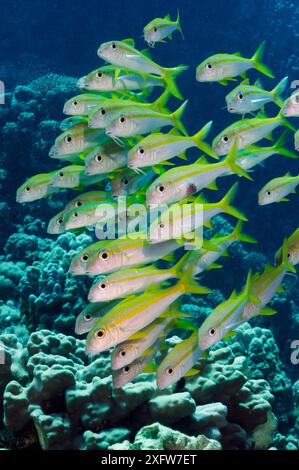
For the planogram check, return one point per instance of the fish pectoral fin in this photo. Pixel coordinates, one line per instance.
(215, 266)
(229, 335)
(267, 311)
(280, 290)
(192, 372)
(283, 199)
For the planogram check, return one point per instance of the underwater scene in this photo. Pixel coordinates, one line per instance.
(149, 225)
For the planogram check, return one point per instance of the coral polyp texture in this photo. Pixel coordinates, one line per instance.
(148, 300)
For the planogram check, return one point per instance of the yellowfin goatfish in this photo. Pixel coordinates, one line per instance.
(72, 121)
(55, 225)
(124, 55)
(161, 28)
(90, 196)
(132, 121)
(223, 67)
(247, 132)
(179, 362)
(143, 364)
(116, 254)
(80, 105)
(178, 183)
(130, 281)
(73, 176)
(277, 189)
(127, 182)
(92, 213)
(36, 187)
(246, 98)
(157, 148)
(253, 155)
(101, 116)
(105, 159)
(136, 312)
(175, 223)
(90, 315)
(141, 341)
(110, 255)
(103, 79)
(206, 258)
(265, 285)
(76, 140)
(293, 249)
(291, 105)
(224, 318)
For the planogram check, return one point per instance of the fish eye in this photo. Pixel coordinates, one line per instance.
(155, 29)
(122, 119)
(102, 285)
(122, 352)
(225, 138)
(289, 255)
(78, 203)
(68, 139)
(297, 99)
(169, 371)
(161, 225)
(99, 74)
(161, 188)
(100, 333)
(113, 45)
(126, 369)
(141, 150)
(209, 66)
(75, 103)
(103, 112)
(269, 193)
(240, 96)
(27, 189)
(212, 331)
(126, 181)
(84, 258)
(98, 158)
(75, 214)
(60, 220)
(87, 317)
(61, 174)
(104, 255)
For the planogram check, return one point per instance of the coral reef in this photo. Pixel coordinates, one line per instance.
(60, 399)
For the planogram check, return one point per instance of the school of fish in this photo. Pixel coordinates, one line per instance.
(121, 141)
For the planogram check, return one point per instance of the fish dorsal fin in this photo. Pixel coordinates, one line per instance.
(167, 17)
(150, 368)
(129, 41)
(245, 82)
(237, 54)
(202, 160)
(258, 84)
(174, 131)
(146, 52)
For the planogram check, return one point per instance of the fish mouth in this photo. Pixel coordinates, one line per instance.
(81, 83)
(53, 152)
(230, 109)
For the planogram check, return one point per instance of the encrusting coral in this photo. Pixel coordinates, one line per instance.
(52, 390)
